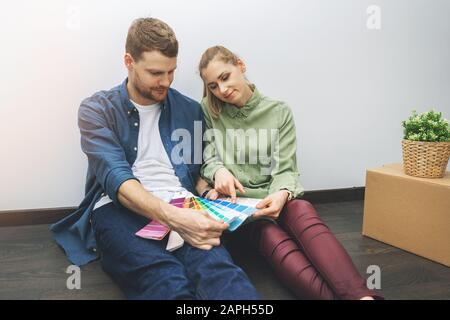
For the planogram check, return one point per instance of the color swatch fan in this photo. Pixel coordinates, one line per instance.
(232, 213)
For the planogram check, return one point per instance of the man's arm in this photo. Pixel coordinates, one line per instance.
(112, 170)
(106, 156)
(132, 195)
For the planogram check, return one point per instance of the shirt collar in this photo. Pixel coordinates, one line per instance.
(244, 111)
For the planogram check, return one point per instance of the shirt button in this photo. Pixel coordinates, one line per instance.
(94, 249)
(136, 124)
(135, 148)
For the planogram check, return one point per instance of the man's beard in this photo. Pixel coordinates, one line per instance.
(147, 94)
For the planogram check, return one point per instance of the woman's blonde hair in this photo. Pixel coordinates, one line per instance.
(215, 105)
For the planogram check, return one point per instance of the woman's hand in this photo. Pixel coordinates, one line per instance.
(272, 205)
(226, 184)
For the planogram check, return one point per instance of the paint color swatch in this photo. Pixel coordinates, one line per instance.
(154, 230)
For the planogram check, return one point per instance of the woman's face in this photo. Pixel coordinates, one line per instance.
(227, 81)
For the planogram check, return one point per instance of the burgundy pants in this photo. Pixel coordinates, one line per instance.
(306, 256)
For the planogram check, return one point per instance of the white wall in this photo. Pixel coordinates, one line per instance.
(349, 87)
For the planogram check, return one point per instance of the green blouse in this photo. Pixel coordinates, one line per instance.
(256, 143)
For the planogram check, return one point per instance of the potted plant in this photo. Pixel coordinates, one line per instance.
(426, 144)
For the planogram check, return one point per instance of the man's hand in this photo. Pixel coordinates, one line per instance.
(196, 227)
(212, 194)
(226, 184)
(272, 205)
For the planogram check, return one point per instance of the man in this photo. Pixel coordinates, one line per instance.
(126, 135)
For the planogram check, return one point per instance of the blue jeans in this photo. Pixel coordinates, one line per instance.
(144, 269)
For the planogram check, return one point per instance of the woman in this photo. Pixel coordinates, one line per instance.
(300, 248)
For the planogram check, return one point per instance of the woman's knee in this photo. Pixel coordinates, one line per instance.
(301, 207)
(298, 210)
(267, 237)
(299, 216)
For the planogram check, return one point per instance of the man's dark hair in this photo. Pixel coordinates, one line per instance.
(150, 34)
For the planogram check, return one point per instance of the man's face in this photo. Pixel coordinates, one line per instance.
(151, 76)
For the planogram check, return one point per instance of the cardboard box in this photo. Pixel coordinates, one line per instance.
(408, 212)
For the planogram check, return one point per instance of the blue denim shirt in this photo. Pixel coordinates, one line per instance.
(109, 138)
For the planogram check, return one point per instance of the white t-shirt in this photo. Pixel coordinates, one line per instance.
(152, 166)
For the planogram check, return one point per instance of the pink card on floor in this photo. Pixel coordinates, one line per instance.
(154, 230)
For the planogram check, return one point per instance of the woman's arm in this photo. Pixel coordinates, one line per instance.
(285, 182)
(285, 175)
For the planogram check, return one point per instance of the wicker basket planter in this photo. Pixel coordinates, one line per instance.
(425, 159)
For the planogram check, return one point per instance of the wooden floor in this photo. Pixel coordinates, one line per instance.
(32, 266)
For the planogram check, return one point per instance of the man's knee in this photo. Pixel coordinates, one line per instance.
(168, 287)
(216, 276)
(150, 277)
